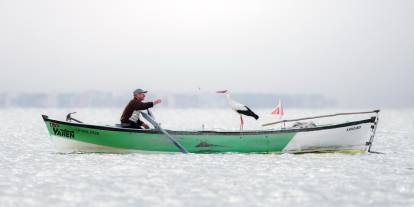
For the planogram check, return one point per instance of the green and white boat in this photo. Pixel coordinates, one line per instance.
(352, 136)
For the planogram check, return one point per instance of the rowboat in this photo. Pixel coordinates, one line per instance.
(351, 136)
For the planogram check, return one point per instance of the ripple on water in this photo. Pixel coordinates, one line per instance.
(32, 174)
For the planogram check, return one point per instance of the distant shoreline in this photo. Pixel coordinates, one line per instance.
(170, 100)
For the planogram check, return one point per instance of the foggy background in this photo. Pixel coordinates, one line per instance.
(350, 53)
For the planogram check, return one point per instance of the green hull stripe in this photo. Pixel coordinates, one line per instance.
(193, 142)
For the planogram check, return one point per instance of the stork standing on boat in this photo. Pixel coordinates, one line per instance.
(239, 108)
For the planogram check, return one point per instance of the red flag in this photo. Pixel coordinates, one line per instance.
(278, 110)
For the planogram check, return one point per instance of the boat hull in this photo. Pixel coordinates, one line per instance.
(74, 137)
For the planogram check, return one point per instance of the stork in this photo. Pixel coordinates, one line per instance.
(239, 108)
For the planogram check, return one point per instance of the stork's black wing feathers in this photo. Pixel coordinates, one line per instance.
(248, 112)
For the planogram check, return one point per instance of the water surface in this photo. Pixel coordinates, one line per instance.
(32, 173)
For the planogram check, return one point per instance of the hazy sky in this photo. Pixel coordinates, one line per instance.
(358, 52)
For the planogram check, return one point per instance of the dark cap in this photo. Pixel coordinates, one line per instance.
(138, 91)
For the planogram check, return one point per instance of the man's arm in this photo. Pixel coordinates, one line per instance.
(143, 105)
(147, 105)
(156, 102)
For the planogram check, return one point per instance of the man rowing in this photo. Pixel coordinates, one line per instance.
(130, 116)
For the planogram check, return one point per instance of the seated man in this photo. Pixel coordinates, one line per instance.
(130, 116)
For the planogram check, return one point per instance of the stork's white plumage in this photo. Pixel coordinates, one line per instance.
(239, 108)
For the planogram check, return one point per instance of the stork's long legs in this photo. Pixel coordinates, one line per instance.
(241, 123)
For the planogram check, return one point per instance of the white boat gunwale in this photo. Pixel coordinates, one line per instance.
(373, 120)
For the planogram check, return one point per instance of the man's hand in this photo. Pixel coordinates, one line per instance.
(157, 101)
(145, 126)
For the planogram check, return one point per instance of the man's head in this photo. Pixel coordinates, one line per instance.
(139, 94)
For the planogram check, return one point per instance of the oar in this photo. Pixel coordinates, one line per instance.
(315, 117)
(149, 118)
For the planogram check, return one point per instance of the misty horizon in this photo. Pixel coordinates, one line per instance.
(358, 53)
(177, 100)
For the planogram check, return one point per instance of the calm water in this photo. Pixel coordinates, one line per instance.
(33, 174)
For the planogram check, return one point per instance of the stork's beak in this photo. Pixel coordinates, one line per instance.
(224, 91)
